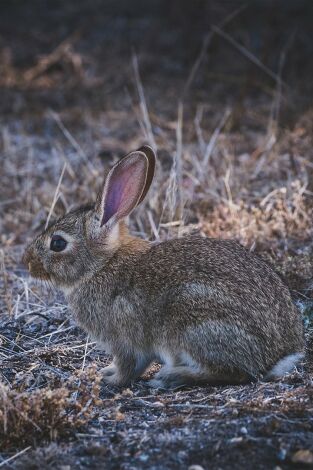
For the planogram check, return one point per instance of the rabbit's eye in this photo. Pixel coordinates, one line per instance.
(57, 243)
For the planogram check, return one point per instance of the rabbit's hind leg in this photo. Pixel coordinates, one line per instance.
(173, 377)
(178, 376)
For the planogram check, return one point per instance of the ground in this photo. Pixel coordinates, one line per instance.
(223, 91)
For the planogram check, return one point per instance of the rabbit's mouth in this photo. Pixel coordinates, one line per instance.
(37, 271)
(34, 265)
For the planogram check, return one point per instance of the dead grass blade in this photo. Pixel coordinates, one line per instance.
(63, 49)
(15, 456)
(143, 104)
(248, 55)
(56, 195)
(206, 42)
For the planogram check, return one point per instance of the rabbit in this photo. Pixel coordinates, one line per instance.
(209, 310)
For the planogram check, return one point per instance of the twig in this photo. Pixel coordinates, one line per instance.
(274, 116)
(280, 190)
(153, 226)
(56, 195)
(228, 190)
(7, 294)
(211, 144)
(173, 196)
(248, 55)
(71, 140)
(58, 331)
(143, 104)
(197, 122)
(206, 42)
(178, 161)
(5, 462)
(55, 56)
(85, 353)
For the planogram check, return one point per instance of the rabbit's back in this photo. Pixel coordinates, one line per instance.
(194, 284)
(210, 267)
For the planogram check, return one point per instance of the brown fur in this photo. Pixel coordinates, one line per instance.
(211, 311)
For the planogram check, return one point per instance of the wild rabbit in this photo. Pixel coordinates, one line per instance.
(209, 310)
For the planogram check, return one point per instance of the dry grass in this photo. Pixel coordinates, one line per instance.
(279, 217)
(47, 413)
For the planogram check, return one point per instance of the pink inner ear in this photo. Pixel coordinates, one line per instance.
(117, 193)
(125, 186)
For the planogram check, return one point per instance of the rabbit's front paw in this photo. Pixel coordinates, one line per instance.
(115, 379)
(108, 370)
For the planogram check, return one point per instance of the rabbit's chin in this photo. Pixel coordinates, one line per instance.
(41, 275)
(66, 289)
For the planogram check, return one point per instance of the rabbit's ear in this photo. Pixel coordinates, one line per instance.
(149, 153)
(124, 187)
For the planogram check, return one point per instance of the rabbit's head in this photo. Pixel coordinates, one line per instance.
(83, 240)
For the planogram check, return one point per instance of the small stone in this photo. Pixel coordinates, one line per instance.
(127, 392)
(156, 404)
(236, 440)
(195, 467)
(143, 457)
(282, 454)
(303, 456)
(95, 449)
(119, 416)
(244, 430)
